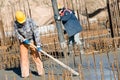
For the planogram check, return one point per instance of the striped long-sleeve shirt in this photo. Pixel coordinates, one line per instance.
(29, 30)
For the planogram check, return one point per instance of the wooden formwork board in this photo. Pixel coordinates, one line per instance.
(91, 33)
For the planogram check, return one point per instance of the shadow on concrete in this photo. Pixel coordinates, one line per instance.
(34, 73)
(18, 71)
(15, 70)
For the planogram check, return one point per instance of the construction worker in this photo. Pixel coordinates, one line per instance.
(71, 25)
(27, 32)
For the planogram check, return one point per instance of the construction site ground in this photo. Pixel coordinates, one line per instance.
(101, 60)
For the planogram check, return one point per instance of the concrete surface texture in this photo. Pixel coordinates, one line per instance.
(103, 69)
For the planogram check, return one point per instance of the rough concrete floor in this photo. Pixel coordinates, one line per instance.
(89, 73)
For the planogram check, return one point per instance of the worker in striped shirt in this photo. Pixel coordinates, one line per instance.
(27, 32)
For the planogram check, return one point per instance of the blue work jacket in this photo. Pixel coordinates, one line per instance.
(71, 23)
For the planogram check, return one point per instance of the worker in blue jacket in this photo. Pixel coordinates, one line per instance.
(71, 24)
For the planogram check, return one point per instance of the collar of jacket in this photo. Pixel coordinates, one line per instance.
(64, 10)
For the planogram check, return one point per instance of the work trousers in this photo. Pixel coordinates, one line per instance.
(75, 39)
(24, 60)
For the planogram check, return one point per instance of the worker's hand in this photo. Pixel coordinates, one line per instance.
(26, 41)
(39, 48)
(57, 17)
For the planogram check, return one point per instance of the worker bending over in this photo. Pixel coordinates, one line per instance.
(27, 32)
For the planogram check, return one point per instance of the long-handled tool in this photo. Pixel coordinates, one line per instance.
(59, 62)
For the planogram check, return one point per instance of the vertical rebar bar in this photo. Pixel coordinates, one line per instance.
(110, 19)
(113, 70)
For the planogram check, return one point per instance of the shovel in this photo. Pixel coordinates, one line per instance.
(57, 61)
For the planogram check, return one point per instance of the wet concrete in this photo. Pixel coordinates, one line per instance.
(90, 71)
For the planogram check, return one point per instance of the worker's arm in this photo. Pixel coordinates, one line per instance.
(36, 34)
(67, 15)
(64, 16)
(19, 36)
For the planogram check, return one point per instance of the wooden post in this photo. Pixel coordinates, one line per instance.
(59, 29)
(58, 23)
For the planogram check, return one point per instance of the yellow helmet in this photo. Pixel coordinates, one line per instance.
(20, 17)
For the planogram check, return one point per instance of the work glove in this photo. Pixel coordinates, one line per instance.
(57, 18)
(26, 41)
(39, 48)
